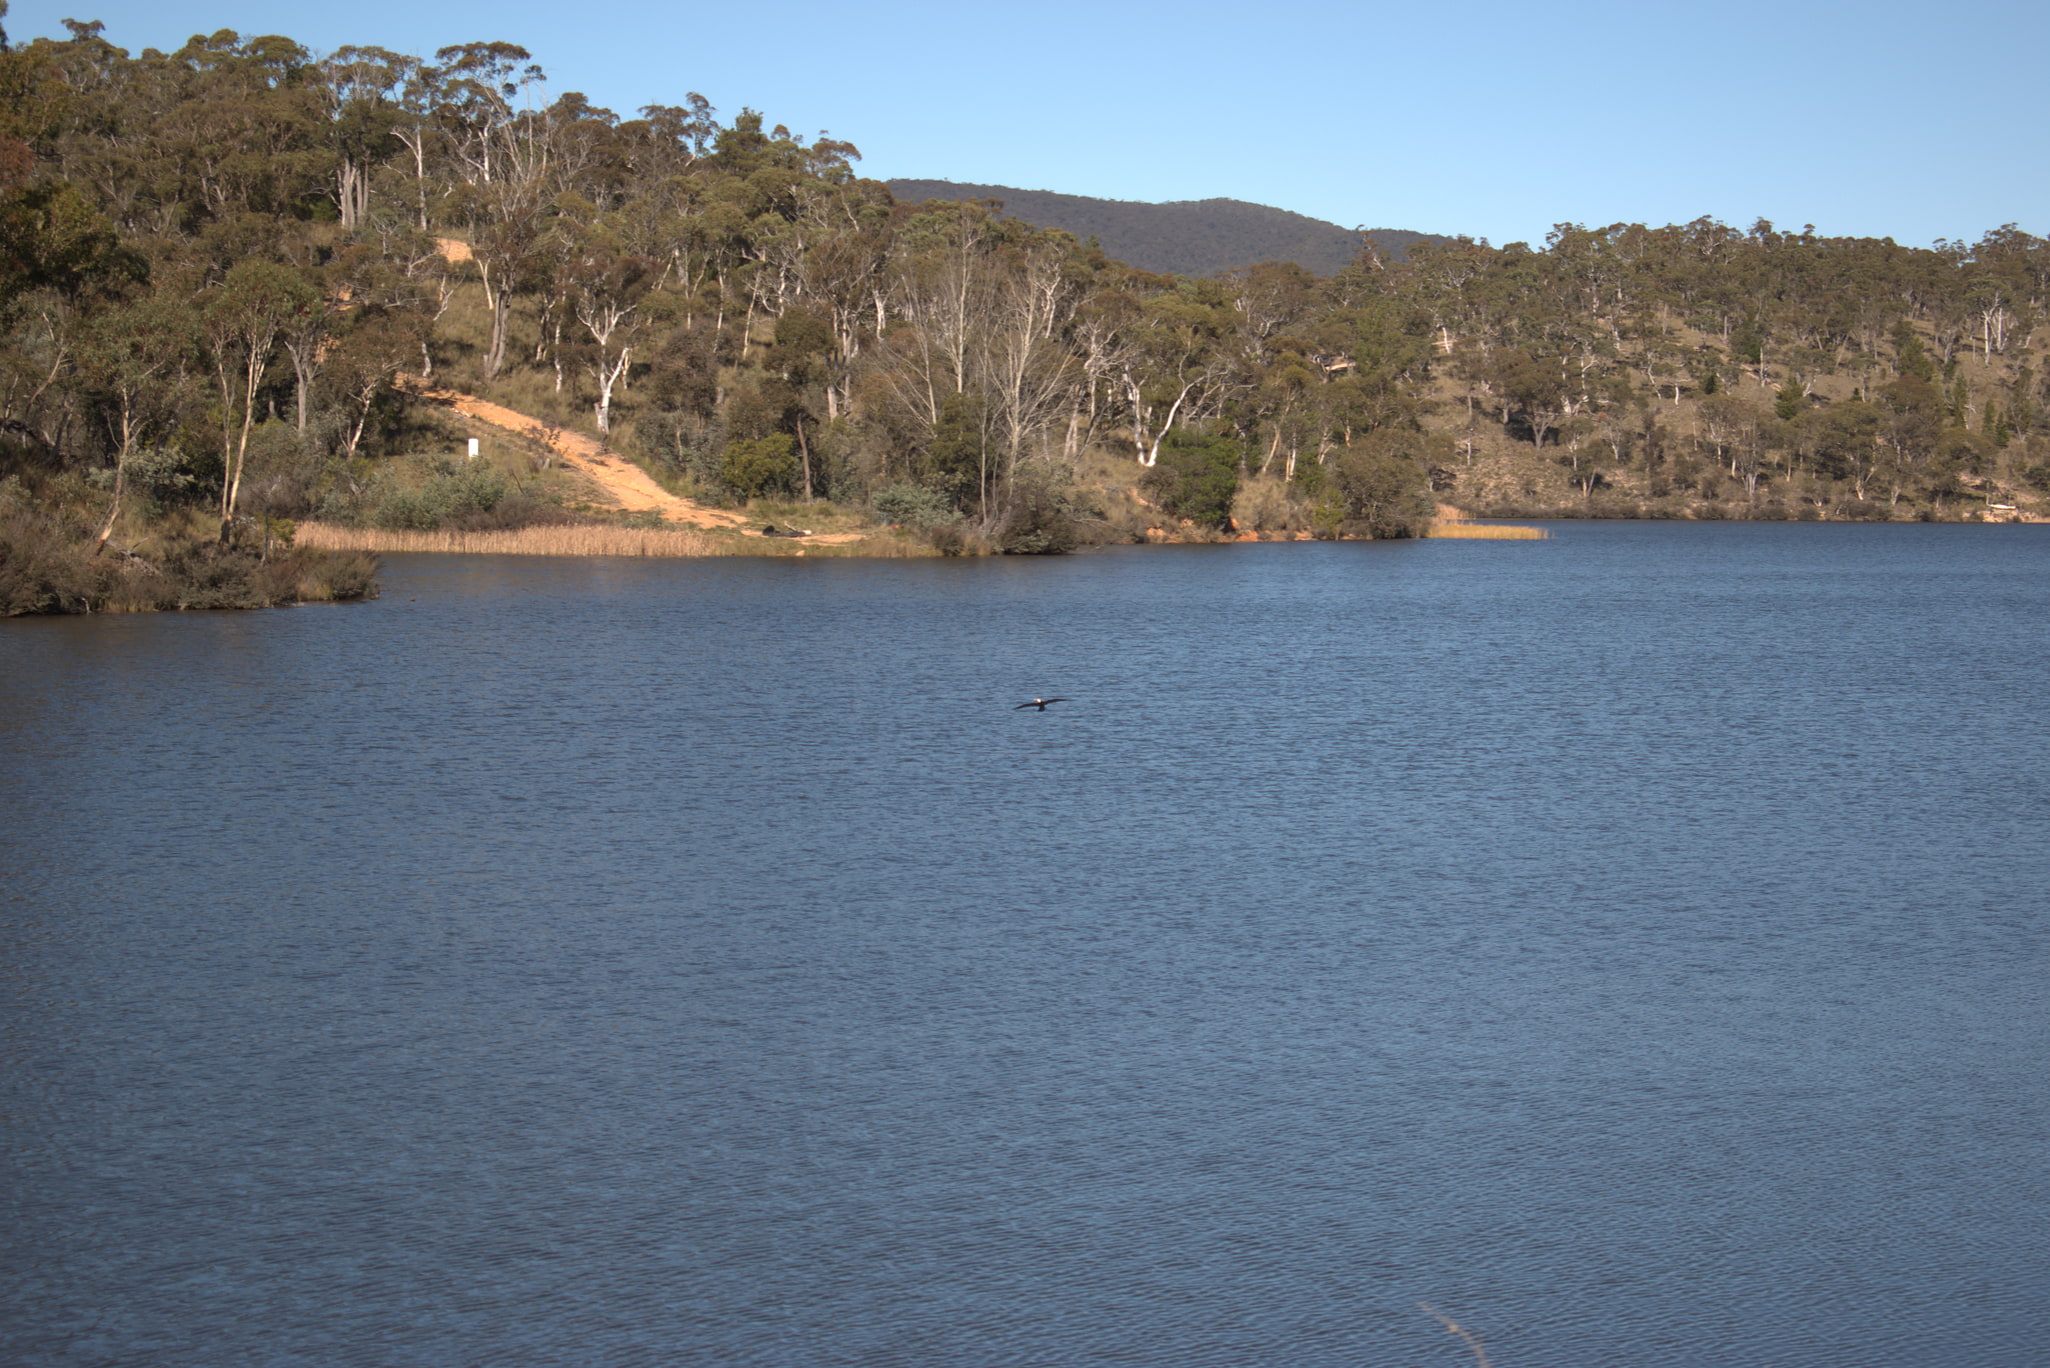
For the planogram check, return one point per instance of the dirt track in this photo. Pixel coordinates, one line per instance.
(623, 484)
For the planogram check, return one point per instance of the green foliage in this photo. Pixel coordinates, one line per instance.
(162, 477)
(958, 455)
(48, 565)
(1840, 438)
(2021, 405)
(1959, 450)
(1381, 486)
(1911, 361)
(763, 409)
(760, 467)
(1536, 390)
(1747, 344)
(1196, 477)
(447, 493)
(52, 238)
(683, 376)
(1791, 401)
(1037, 521)
(217, 260)
(285, 471)
(803, 343)
(911, 505)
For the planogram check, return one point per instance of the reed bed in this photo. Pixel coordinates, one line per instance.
(597, 539)
(584, 540)
(1445, 527)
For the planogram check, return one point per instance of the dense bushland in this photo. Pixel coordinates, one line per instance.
(216, 265)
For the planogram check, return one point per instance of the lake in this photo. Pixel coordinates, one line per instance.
(1631, 945)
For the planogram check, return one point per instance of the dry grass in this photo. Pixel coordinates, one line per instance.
(601, 540)
(588, 540)
(1443, 527)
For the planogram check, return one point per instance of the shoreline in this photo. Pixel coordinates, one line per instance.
(598, 539)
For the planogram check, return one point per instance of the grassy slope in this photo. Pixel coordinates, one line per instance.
(1506, 476)
(1495, 474)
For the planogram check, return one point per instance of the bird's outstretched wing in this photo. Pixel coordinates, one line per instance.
(1040, 703)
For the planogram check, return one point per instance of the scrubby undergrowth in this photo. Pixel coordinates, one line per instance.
(50, 566)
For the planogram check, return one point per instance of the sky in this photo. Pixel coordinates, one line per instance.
(1871, 118)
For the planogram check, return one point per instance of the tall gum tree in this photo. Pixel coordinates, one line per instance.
(500, 148)
(241, 325)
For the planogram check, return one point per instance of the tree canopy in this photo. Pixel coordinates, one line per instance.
(731, 303)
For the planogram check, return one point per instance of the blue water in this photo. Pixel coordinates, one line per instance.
(1631, 945)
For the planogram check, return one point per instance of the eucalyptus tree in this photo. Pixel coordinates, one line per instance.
(670, 140)
(1028, 375)
(360, 371)
(1101, 335)
(361, 90)
(1437, 277)
(246, 127)
(842, 272)
(241, 321)
(1535, 390)
(939, 282)
(1183, 363)
(1284, 396)
(137, 360)
(606, 293)
(500, 150)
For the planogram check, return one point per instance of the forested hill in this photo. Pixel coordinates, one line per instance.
(1185, 237)
(229, 274)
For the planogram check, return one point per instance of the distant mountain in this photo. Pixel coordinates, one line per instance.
(1187, 237)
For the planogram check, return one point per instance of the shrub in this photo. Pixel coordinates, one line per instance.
(1195, 477)
(1266, 505)
(911, 505)
(762, 466)
(1380, 485)
(1038, 522)
(49, 567)
(160, 477)
(42, 567)
(452, 492)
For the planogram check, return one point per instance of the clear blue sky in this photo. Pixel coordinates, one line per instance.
(1873, 118)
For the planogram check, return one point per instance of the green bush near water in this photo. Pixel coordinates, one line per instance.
(760, 467)
(1196, 477)
(916, 506)
(49, 565)
(451, 493)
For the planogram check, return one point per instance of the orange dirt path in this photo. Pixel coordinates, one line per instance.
(624, 484)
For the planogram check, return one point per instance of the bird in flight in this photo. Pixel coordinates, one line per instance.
(1040, 703)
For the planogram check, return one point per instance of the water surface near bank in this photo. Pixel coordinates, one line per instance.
(1629, 943)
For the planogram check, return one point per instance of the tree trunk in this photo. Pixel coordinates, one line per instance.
(804, 457)
(608, 376)
(302, 375)
(120, 480)
(231, 478)
(501, 316)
